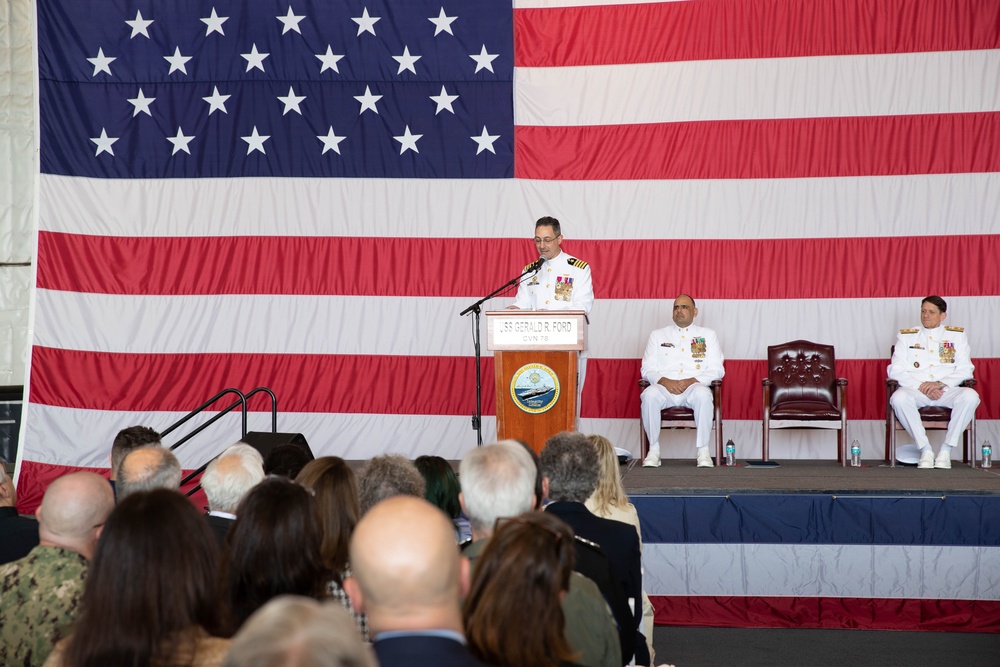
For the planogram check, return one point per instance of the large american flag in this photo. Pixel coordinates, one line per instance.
(304, 195)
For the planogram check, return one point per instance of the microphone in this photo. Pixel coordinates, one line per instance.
(537, 264)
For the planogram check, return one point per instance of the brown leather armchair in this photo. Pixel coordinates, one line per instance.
(932, 417)
(801, 390)
(684, 418)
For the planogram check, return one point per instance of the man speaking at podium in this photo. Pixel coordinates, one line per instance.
(558, 281)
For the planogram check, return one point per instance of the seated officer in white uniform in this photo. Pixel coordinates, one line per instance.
(680, 363)
(561, 283)
(929, 362)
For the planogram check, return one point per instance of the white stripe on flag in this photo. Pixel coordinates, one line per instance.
(282, 324)
(824, 570)
(754, 89)
(885, 206)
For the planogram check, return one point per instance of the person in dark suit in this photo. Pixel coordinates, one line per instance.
(570, 469)
(409, 578)
(227, 481)
(20, 534)
(498, 481)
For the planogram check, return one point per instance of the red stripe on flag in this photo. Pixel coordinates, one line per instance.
(36, 477)
(770, 148)
(359, 384)
(303, 383)
(827, 612)
(612, 391)
(673, 31)
(831, 268)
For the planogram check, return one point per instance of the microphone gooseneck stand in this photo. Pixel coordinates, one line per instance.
(475, 309)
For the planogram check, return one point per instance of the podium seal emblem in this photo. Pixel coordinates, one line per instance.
(534, 388)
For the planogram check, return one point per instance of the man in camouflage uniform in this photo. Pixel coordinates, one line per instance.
(40, 593)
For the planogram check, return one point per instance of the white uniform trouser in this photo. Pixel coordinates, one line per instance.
(698, 397)
(962, 400)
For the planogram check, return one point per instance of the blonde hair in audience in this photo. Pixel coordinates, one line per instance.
(609, 491)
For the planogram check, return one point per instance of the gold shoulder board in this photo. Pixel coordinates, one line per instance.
(909, 331)
(578, 263)
(959, 329)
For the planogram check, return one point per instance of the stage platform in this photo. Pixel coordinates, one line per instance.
(681, 477)
(813, 544)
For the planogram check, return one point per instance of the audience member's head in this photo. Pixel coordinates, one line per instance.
(497, 481)
(287, 460)
(292, 631)
(73, 512)
(609, 492)
(569, 464)
(8, 494)
(273, 547)
(408, 574)
(152, 587)
(539, 491)
(148, 468)
(525, 565)
(441, 484)
(386, 476)
(230, 476)
(128, 439)
(336, 490)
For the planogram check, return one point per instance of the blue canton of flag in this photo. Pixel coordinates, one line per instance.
(409, 89)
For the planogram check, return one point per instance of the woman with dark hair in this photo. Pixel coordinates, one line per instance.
(151, 596)
(442, 490)
(525, 566)
(273, 548)
(336, 489)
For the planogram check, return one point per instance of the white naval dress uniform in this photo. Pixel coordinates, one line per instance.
(942, 355)
(562, 283)
(679, 354)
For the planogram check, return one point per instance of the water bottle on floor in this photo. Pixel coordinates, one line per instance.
(730, 453)
(987, 455)
(855, 454)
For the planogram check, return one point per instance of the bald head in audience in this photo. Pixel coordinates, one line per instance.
(408, 575)
(73, 512)
(148, 468)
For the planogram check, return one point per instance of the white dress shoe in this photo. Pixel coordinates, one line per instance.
(652, 459)
(943, 460)
(926, 459)
(705, 459)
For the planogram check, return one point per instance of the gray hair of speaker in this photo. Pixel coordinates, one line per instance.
(231, 475)
(388, 475)
(498, 481)
(292, 631)
(148, 468)
(570, 463)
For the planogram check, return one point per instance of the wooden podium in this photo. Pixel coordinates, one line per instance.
(535, 355)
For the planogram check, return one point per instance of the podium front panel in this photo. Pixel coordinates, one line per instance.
(536, 394)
